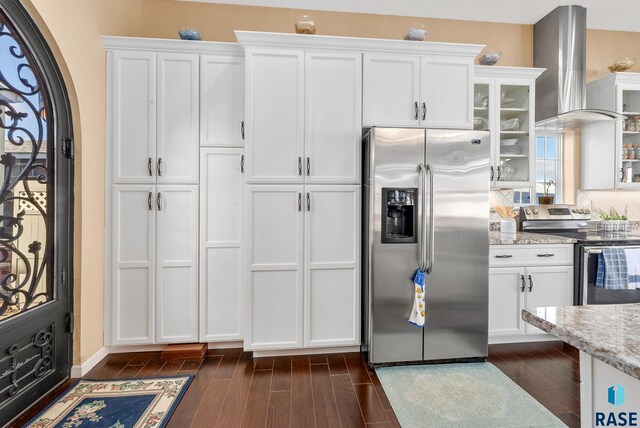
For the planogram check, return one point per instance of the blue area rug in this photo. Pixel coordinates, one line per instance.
(128, 403)
(461, 396)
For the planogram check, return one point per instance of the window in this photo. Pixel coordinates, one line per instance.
(548, 170)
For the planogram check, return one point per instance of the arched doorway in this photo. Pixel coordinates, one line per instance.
(36, 216)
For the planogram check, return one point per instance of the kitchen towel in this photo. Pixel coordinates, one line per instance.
(417, 313)
(633, 267)
(612, 269)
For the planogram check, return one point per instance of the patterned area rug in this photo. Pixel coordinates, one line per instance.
(144, 403)
(461, 396)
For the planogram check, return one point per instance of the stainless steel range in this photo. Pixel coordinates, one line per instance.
(572, 221)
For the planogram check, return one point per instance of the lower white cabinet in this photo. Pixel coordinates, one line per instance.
(303, 273)
(537, 282)
(220, 244)
(154, 259)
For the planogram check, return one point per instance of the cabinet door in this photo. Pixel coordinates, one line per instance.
(176, 264)
(274, 221)
(133, 276)
(483, 113)
(627, 137)
(446, 92)
(506, 300)
(390, 85)
(222, 100)
(333, 130)
(332, 266)
(131, 123)
(548, 286)
(275, 116)
(220, 237)
(178, 117)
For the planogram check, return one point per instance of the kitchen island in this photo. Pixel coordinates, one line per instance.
(608, 337)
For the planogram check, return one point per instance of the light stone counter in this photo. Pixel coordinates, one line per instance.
(498, 238)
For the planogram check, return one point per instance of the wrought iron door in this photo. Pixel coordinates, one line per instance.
(36, 174)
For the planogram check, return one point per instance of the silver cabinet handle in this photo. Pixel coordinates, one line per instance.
(299, 165)
(159, 167)
(491, 173)
(503, 256)
(499, 173)
(522, 287)
(242, 129)
(242, 164)
(424, 111)
(159, 201)
(415, 106)
(546, 255)
(150, 167)
(299, 202)
(149, 201)
(623, 175)
(530, 283)
(308, 202)
(308, 166)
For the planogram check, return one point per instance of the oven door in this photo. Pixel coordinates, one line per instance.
(592, 295)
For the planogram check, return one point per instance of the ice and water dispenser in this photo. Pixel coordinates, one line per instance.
(399, 215)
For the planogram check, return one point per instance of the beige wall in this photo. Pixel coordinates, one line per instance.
(76, 27)
(77, 24)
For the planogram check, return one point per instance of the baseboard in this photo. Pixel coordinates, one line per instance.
(306, 351)
(497, 340)
(226, 345)
(79, 370)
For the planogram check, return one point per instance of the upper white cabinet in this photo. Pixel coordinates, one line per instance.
(504, 103)
(303, 116)
(275, 116)
(221, 293)
(429, 91)
(222, 100)
(611, 150)
(153, 117)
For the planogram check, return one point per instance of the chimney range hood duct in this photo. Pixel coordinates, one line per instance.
(560, 46)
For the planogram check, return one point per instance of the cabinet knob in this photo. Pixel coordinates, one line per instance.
(159, 167)
(308, 166)
(503, 256)
(149, 201)
(424, 111)
(524, 284)
(308, 202)
(530, 283)
(416, 110)
(546, 255)
(159, 201)
(150, 167)
(242, 129)
(491, 173)
(299, 165)
(299, 202)
(242, 164)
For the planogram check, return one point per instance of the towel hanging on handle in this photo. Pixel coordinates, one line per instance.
(418, 311)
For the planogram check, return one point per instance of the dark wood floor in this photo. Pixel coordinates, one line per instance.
(232, 389)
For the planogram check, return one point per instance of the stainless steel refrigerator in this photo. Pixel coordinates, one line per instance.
(426, 204)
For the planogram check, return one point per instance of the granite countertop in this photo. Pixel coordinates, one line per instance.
(609, 333)
(498, 238)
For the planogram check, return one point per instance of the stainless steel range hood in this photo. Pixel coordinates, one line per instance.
(560, 47)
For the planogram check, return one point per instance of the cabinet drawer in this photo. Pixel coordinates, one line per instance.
(530, 255)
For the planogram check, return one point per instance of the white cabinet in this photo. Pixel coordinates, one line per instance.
(154, 254)
(504, 103)
(526, 276)
(303, 116)
(303, 274)
(274, 225)
(133, 273)
(222, 100)
(332, 266)
(221, 294)
(611, 150)
(153, 125)
(275, 116)
(428, 91)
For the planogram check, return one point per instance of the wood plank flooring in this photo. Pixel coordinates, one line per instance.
(233, 389)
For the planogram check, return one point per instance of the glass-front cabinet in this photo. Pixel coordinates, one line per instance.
(629, 152)
(504, 104)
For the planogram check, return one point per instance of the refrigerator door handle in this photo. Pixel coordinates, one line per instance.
(422, 175)
(431, 241)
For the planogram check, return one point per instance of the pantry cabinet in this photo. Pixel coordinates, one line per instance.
(526, 276)
(611, 150)
(303, 270)
(427, 91)
(303, 116)
(504, 103)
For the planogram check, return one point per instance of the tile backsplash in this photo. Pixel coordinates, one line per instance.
(602, 201)
(499, 197)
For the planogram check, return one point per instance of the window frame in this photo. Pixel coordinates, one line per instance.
(559, 194)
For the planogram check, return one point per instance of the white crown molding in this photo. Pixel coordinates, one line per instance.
(614, 78)
(301, 41)
(168, 45)
(503, 72)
